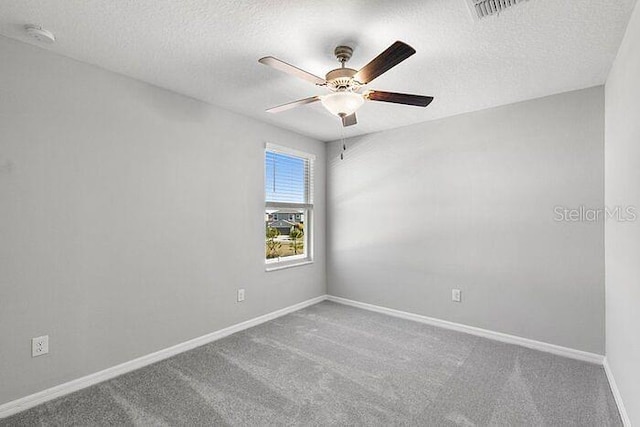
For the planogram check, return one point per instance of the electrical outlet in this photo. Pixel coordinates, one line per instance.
(240, 295)
(456, 295)
(39, 346)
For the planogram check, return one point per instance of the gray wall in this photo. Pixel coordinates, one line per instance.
(468, 202)
(622, 180)
(115, 239)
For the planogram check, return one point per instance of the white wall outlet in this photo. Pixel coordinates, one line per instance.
(240, 295)
(456, 295)
(39, 346)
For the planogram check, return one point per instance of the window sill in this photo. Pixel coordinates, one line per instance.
(285, 265)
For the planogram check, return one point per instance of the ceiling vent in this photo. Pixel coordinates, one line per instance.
(483, 8)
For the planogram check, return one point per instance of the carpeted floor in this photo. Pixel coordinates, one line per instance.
(331, 364)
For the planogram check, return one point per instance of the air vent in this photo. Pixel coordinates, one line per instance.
(483, 8)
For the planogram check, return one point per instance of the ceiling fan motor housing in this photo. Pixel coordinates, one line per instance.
(341, 79)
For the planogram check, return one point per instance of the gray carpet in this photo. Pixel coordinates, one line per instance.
(335, 365)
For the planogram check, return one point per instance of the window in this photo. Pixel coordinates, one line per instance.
(288, 206)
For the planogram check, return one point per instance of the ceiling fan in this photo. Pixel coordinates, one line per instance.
(345, 84)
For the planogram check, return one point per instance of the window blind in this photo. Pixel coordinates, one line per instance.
(288, 177)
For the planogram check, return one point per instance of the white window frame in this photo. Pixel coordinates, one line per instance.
(274, 264)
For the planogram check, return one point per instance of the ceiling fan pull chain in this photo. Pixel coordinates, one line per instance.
(344, 144)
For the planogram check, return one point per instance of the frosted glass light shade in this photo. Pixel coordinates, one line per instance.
(342, 103)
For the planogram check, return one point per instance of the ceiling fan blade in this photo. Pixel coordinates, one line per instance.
(290, 105)
(398, 98)
(349, 120)
(395, 54)
(290, 69)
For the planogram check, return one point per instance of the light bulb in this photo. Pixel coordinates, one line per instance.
(342, 103)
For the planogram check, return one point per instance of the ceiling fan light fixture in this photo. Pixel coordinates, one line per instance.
(342, 103)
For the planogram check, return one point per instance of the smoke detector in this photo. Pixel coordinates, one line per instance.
(40, 34)
(484, 8)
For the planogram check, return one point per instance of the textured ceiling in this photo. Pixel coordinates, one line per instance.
(209, 50)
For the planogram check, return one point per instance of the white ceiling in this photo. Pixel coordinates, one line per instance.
(209, 50)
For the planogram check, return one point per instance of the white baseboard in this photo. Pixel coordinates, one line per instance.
(35, 399)
(32, 400)
(497, 336)
(616, 394)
